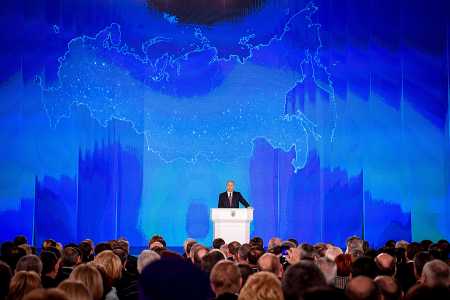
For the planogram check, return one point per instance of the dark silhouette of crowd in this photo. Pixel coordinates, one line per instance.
(280, 270)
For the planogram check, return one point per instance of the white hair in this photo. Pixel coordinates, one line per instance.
(328, 268)
(436, 273)
(145, 258)
(333, 252)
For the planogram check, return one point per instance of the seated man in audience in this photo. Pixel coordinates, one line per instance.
(364, 266)
(300, 277)
(211, 259)
(362, 288)
(270, 263)
(436, 273)
(145, 258)
(386, 264)
(29, 263)
(420, 259)
(50, 268)
(196, 254)
(388, 288)
(226, 280)
(243, 252)
(69, 260)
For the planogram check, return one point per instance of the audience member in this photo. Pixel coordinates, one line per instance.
(69, 260)
(91, 278)
(50, 267)
(270, 263)
(262, 286)
(5, 279)
(436, 273)
(22, 283)
(386, 264)
(364, 266)
(328, 268)
(243, 251)
(75, 290)
(217, 243)
(226, 280)
(145, 258)
(299, 277)
(362, 288)
(211, 259)
(49, 294)
(29, 263)
(344, 266)
(388, 288)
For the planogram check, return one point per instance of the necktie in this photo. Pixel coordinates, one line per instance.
(230, 199)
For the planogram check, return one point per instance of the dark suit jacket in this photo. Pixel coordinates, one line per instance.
(237, 197)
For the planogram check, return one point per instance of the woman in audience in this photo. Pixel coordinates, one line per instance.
(46, 294)
(75, 290)
(344, 265)
(91, 278)
(262, 286)
(22, 283)
(113, 269)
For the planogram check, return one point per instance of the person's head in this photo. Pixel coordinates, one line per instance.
(273, 242)
(75, 290)
(246, 271)
(257, 242)
(86, 251)
(364, 266)
(50, 263)
(157, 238)
(420, 259)
(211, 259)
(307, 252)
(436, 273)
(170, 279)
(188, 245)
(343, 264)
(91, 278)
(386, 264)
(100, 247)
(218, 242)
(299, 277)
(122, 254)
(29, 263)
(121, 244)
(402, 244)
(230, 186)
(112, 264)
(145, 258)
(48, 243)
(354, 243)
(323, 293)
(254, 254)
(262, 286)
(22, 283)
(70, 257)
(333, 252)
(243, 252)
(388, 288)
(328, 268)
(5, 279)
(196, 254)
(362, 288)
(20, 240)
(423, 292)
(233, 247)
(225, 277)
(46, 294)
(270, 263)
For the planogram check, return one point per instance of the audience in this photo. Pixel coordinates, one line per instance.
(285, 270)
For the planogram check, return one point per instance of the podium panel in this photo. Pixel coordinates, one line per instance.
(232, 224)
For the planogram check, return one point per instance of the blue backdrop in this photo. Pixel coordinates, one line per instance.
(120, 118)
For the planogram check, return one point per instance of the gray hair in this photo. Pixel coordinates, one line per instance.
(145, 258)
(354, 243)
(29, 263)
(436, 273)
(230, 180)
(333, 252)
(328, 268)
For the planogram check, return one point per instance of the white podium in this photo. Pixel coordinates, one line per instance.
(232, 224)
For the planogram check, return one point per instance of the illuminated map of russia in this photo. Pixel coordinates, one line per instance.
(188, 100)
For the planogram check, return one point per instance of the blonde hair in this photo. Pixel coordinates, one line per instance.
(225, 277)
(46, 294)
(262, 286)
(75, 290)
(91, 278)
(22, 283)
(111, 263)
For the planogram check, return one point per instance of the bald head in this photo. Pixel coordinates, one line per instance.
(270, 263)
(362, 288)
(385, 264)
(388, 287)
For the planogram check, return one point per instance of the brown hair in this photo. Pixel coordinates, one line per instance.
(22, 283)
(225, 277)
(91, 278)
(111, 263)
(344, 264)
(262, 286)
(43, 294)
(75, 290)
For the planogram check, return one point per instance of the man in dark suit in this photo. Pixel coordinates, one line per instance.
(230, 198)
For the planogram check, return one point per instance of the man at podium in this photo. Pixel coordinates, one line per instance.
(230, 198)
